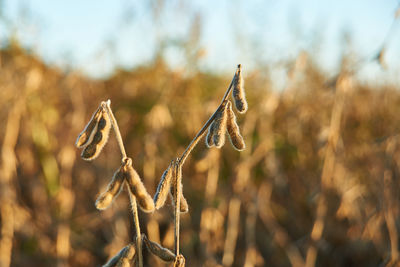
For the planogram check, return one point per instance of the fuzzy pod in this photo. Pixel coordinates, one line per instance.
(86, 136)
(238, 92)
(127, 257)
(184, 207)
(112, 191)
(114, 260)
(183, 203)
(210, 136)
(123, 257)
(220, 127)
(232, 127)
(161, 252)
(164, 186)
(100, 137)
(137, 188)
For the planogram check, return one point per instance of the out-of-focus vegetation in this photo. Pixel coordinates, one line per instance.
(309, 146)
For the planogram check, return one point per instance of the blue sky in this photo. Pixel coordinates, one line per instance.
(95, 36)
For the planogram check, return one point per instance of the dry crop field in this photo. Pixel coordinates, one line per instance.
(317, 184)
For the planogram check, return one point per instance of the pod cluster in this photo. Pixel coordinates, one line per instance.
(225, 119)
(126, 173)
(95, 135)
(167, 186)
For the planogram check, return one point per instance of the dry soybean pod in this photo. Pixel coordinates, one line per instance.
(161, 252)
(238, 92)
(210, 136)
(164, 186)
(87, 134)
(100, 138)
(184, 207)
(137, 188)
(113, 189)
(124, 256)
(219, 128)
(233, 129)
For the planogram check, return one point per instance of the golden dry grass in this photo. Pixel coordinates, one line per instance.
(259, 207)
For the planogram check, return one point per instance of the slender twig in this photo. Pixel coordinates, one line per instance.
(137, 226)
(178, 192)
(114, 123)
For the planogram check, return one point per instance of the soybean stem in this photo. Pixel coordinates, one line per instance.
(137, 226)
(114, 123)
(178, 193)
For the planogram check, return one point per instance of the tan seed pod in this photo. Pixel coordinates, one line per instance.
(179, 261)
(114, 260)
(100, 137)
(210, 136)
(127, 256)
(184, 207)
(220, 127)
(238, 92)
(137, 188)
(183, 203)
(164, 186)
(112, 191)
(123, 257)
(161, 252)
(85, 136)
(233, 130)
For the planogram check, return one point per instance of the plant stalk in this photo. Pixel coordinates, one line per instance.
(114, 123)
(178, 192)
(138, 240)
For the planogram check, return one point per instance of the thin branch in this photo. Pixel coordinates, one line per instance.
(114, 123)
(137, 226)
(178, 192)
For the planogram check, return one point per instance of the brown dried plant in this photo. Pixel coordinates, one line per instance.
(92, 140)
(222, 121)
(94, 137)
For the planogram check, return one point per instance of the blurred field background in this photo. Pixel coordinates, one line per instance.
(318, 183)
